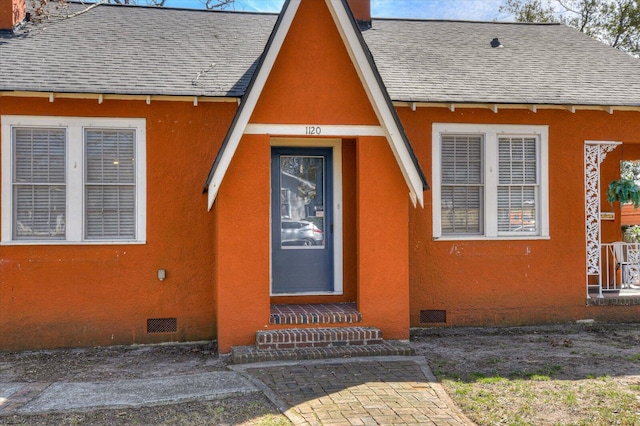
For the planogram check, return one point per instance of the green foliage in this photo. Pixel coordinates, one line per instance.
(529, 11)
(615, 22)
(624, 190)
(630, 170)
(631, 233)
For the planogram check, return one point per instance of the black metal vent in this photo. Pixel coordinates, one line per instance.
(162, 325)
(433, 316)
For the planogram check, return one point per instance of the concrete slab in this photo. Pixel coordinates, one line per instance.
(66, 396)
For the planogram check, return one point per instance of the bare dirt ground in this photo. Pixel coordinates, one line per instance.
(247, 410)
(109, 363)
(560, 374)
(134, 362)
(578, 351)
(575, 374)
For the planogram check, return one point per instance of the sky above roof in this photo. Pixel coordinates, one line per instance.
(475, 10)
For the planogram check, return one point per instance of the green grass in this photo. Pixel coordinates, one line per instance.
(540, 396)
(518, 401)
(272, 420)
(635, 358)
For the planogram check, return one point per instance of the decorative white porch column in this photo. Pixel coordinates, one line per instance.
(594, 153)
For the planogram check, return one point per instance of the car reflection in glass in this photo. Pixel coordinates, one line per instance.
(300, 233)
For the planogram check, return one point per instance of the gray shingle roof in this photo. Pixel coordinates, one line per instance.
(156, 51)
(137, 50)
(445, 61)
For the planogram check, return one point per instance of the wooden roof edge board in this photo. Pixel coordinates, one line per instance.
(532, 107)
(120, 97)
(249, 100)
(414, 105)
(380, 100)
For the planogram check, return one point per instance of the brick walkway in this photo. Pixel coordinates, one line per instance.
(378, 391)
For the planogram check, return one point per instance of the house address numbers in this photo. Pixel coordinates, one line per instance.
(313, 130)
(607, 216)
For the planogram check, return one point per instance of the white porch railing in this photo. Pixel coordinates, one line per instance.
(620, 267)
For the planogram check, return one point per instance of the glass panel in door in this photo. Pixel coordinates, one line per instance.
(301, 202)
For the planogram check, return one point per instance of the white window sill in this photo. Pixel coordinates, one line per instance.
(71, 243)
(484, 238)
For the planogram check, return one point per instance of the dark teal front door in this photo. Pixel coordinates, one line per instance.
(301, 220)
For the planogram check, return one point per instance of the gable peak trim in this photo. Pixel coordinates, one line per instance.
(370, 78)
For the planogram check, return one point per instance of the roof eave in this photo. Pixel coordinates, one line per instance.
(249, 100)
(377, 92)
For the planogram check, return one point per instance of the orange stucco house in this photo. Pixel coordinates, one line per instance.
(177, 175)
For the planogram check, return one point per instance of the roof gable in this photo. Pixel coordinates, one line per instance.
(369, 78)
(313, 80)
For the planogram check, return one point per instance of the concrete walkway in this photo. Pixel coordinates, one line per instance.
(355, 391)
(34, 398)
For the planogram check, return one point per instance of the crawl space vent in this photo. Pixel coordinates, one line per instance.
(162, 325)
(433, 316)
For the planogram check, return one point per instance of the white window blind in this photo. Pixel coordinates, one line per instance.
(462, 184)
(110, 185)
(39, 187)
(517, 184)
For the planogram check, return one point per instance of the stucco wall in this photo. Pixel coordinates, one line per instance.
(517, 282)
(218, 263)
(74, 295)
(313, 82)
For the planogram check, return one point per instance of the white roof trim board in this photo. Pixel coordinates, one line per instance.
(369, 77)
(250, 100)
(379, 100)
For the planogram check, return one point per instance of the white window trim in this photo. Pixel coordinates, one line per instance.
(491, 133)
(74, 175)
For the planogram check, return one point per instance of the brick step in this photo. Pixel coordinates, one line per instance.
(327, 313)
(318, 338)
(251, 354)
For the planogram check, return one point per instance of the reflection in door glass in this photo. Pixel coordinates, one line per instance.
(302, 201)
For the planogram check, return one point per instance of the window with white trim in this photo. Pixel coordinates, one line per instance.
(73, 180)
(490, 181)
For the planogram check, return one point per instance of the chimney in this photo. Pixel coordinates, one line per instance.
(361, 10)
(12, 14)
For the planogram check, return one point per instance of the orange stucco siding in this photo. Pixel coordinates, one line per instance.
(75, 295)
(218, 263)
(375, 242)
(383, 262)
(242, 222)
(313, 80)
(516, 282)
